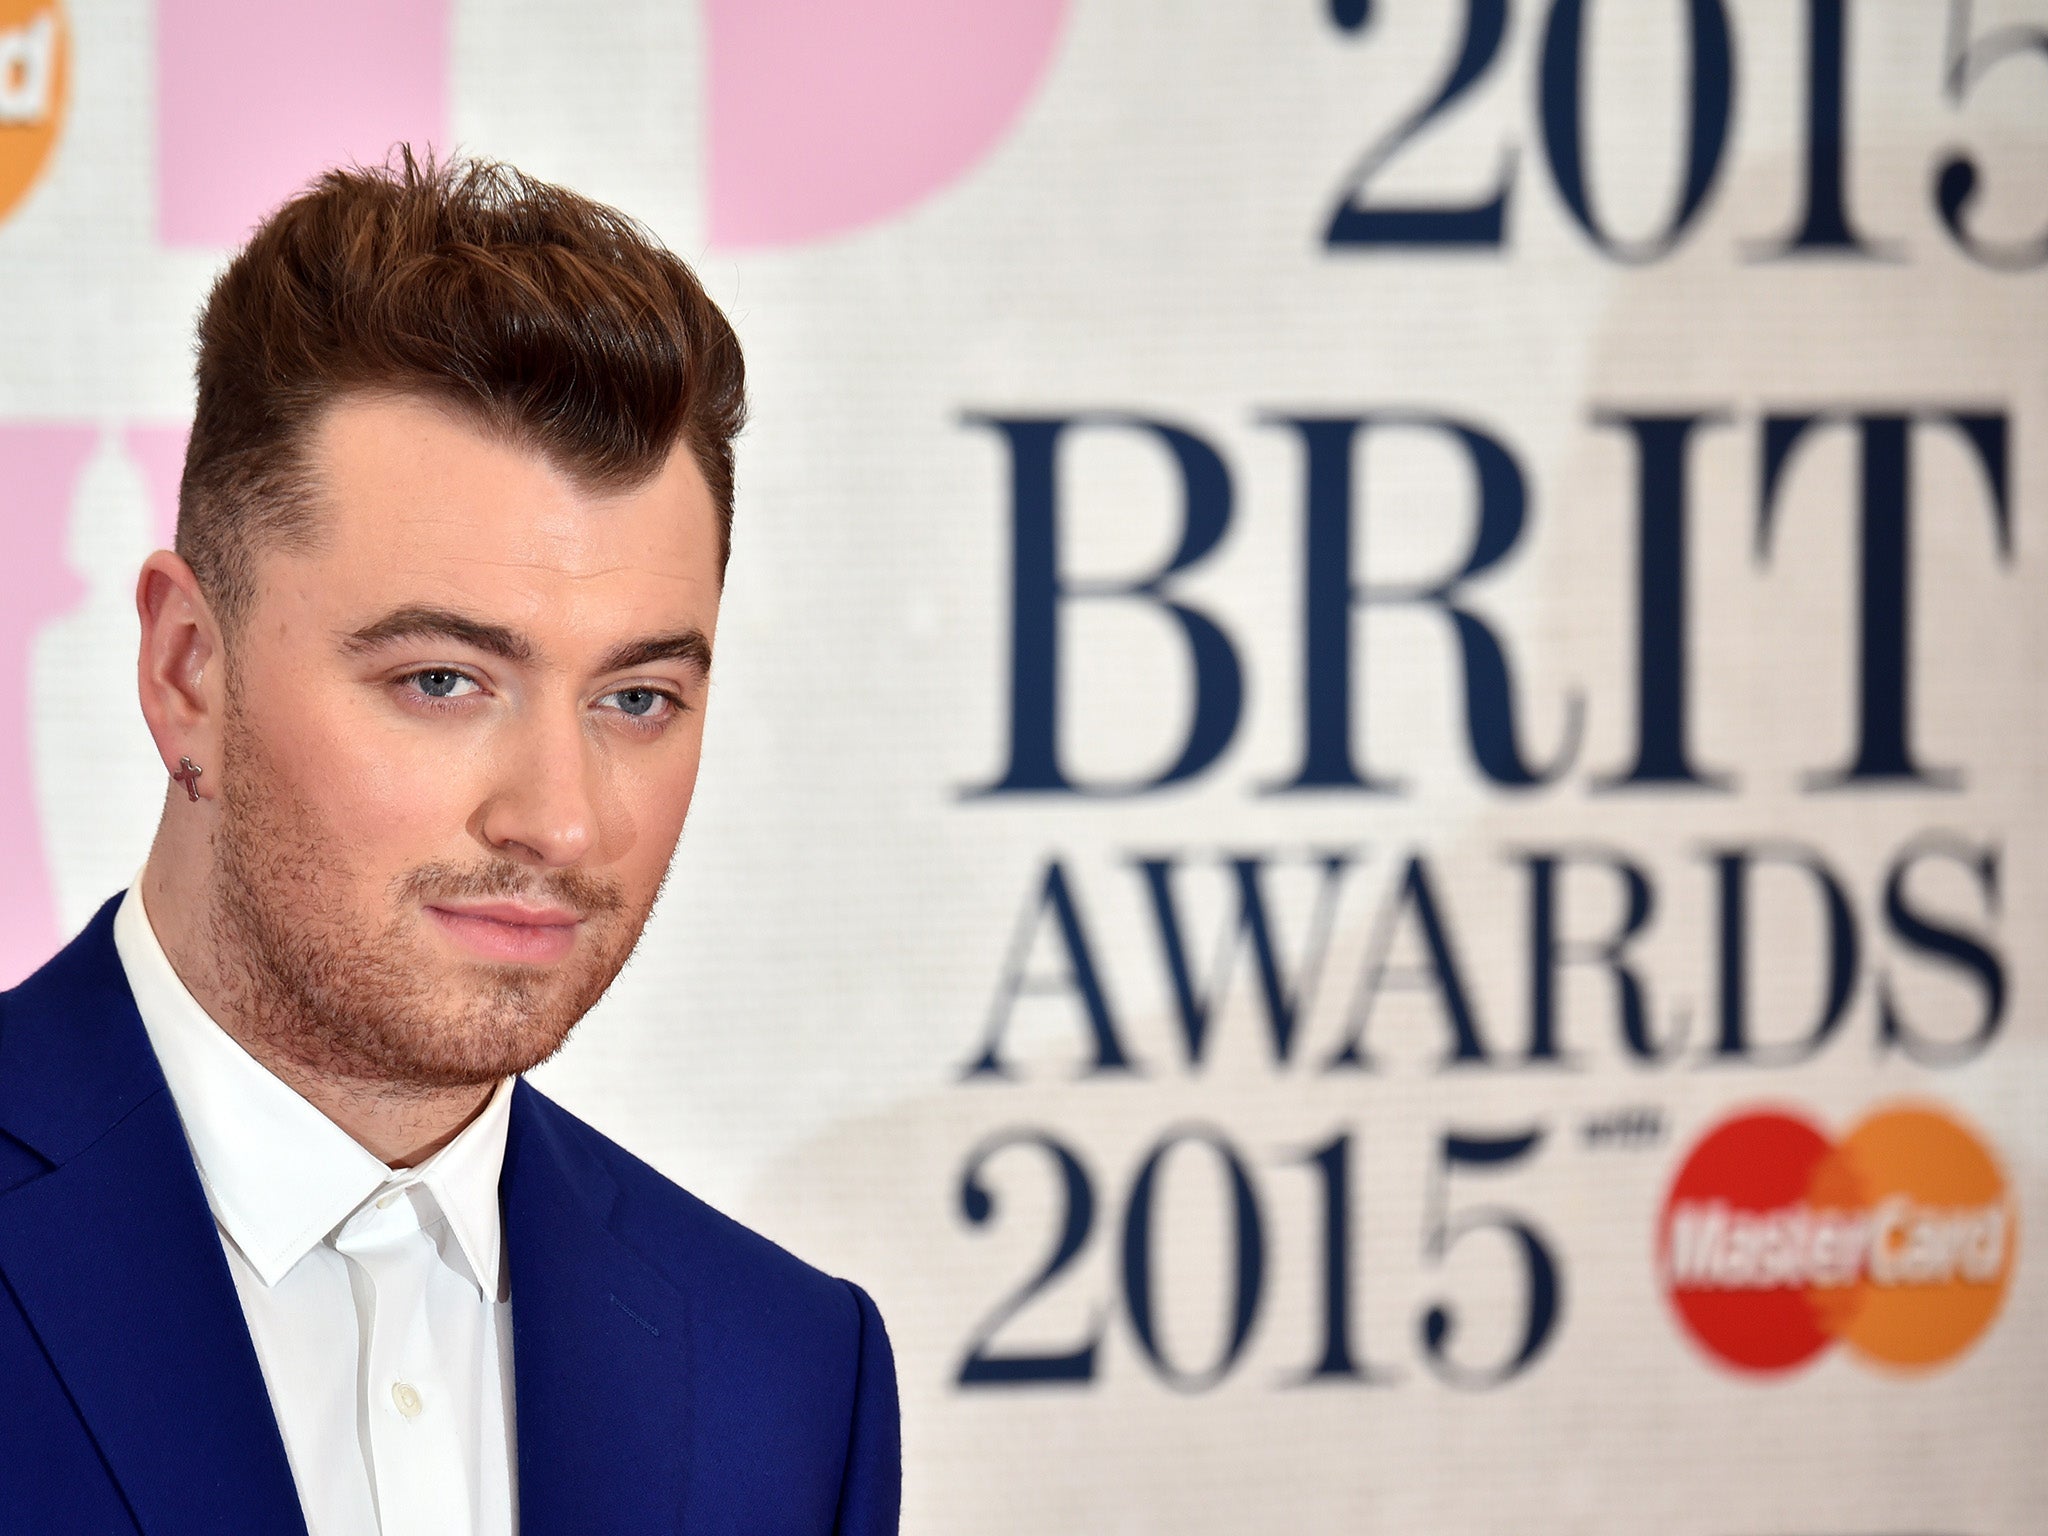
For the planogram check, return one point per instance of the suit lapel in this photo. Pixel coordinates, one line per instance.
(114, 1259)
(600, 1346)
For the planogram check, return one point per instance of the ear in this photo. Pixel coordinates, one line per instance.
(180, 671)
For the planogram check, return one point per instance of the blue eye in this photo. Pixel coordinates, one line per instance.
(638, 701)
(652, 708)
(439, 682)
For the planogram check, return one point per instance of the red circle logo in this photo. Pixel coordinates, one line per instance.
(1898, 1241)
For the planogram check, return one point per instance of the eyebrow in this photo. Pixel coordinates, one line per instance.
(685, 645)
(418, 623)
(426, 623)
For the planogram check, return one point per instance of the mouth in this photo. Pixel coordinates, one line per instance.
(508, 931)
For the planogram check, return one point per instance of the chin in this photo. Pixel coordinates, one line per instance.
(487, 1038)
(403, 1011)
(489, 1019)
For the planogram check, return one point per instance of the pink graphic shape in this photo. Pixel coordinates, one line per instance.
(256, 97)
(159, 451)
(830, 114)
(39, 469)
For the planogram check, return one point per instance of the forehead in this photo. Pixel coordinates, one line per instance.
(415, 503)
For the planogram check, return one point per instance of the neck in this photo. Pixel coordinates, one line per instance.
(399, 1123)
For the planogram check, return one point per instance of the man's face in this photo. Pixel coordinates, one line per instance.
(461, 735)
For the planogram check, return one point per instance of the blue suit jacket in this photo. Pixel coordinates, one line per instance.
(674, 1372)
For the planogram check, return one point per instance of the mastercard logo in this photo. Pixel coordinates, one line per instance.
(35, 70)
(1898, 1241)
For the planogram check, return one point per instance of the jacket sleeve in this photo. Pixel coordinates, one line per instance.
(871, 1491)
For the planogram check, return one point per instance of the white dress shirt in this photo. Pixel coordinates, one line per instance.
(377, 1299)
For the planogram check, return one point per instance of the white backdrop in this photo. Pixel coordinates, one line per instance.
(923, 997)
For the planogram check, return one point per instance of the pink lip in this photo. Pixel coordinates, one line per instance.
(507, 931)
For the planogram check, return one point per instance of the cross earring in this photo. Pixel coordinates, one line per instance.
(187, 773)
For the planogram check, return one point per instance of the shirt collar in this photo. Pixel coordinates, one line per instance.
(463, 1179)
(278, 1174)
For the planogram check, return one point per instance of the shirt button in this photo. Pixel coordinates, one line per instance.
(407, 1397)
(385, 1202)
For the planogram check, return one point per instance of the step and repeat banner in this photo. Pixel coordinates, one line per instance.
(1372, 831)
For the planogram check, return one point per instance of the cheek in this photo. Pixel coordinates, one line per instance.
(651, 797)
(360, 783)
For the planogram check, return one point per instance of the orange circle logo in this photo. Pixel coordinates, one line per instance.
(1898, 1241)
(35, 78)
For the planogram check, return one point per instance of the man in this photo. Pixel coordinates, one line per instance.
(286, 1244)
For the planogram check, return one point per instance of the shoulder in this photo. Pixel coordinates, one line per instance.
(797, 1363)
(74, 1057)
(732, 1274)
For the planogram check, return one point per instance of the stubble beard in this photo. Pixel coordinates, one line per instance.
(324, 991)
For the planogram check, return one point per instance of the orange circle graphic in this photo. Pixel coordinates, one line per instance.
(1943, 1233)
(35, 87)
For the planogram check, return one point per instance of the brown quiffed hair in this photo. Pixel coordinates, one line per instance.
(550, 318)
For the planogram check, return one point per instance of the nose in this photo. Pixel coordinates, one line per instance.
(544, 808)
